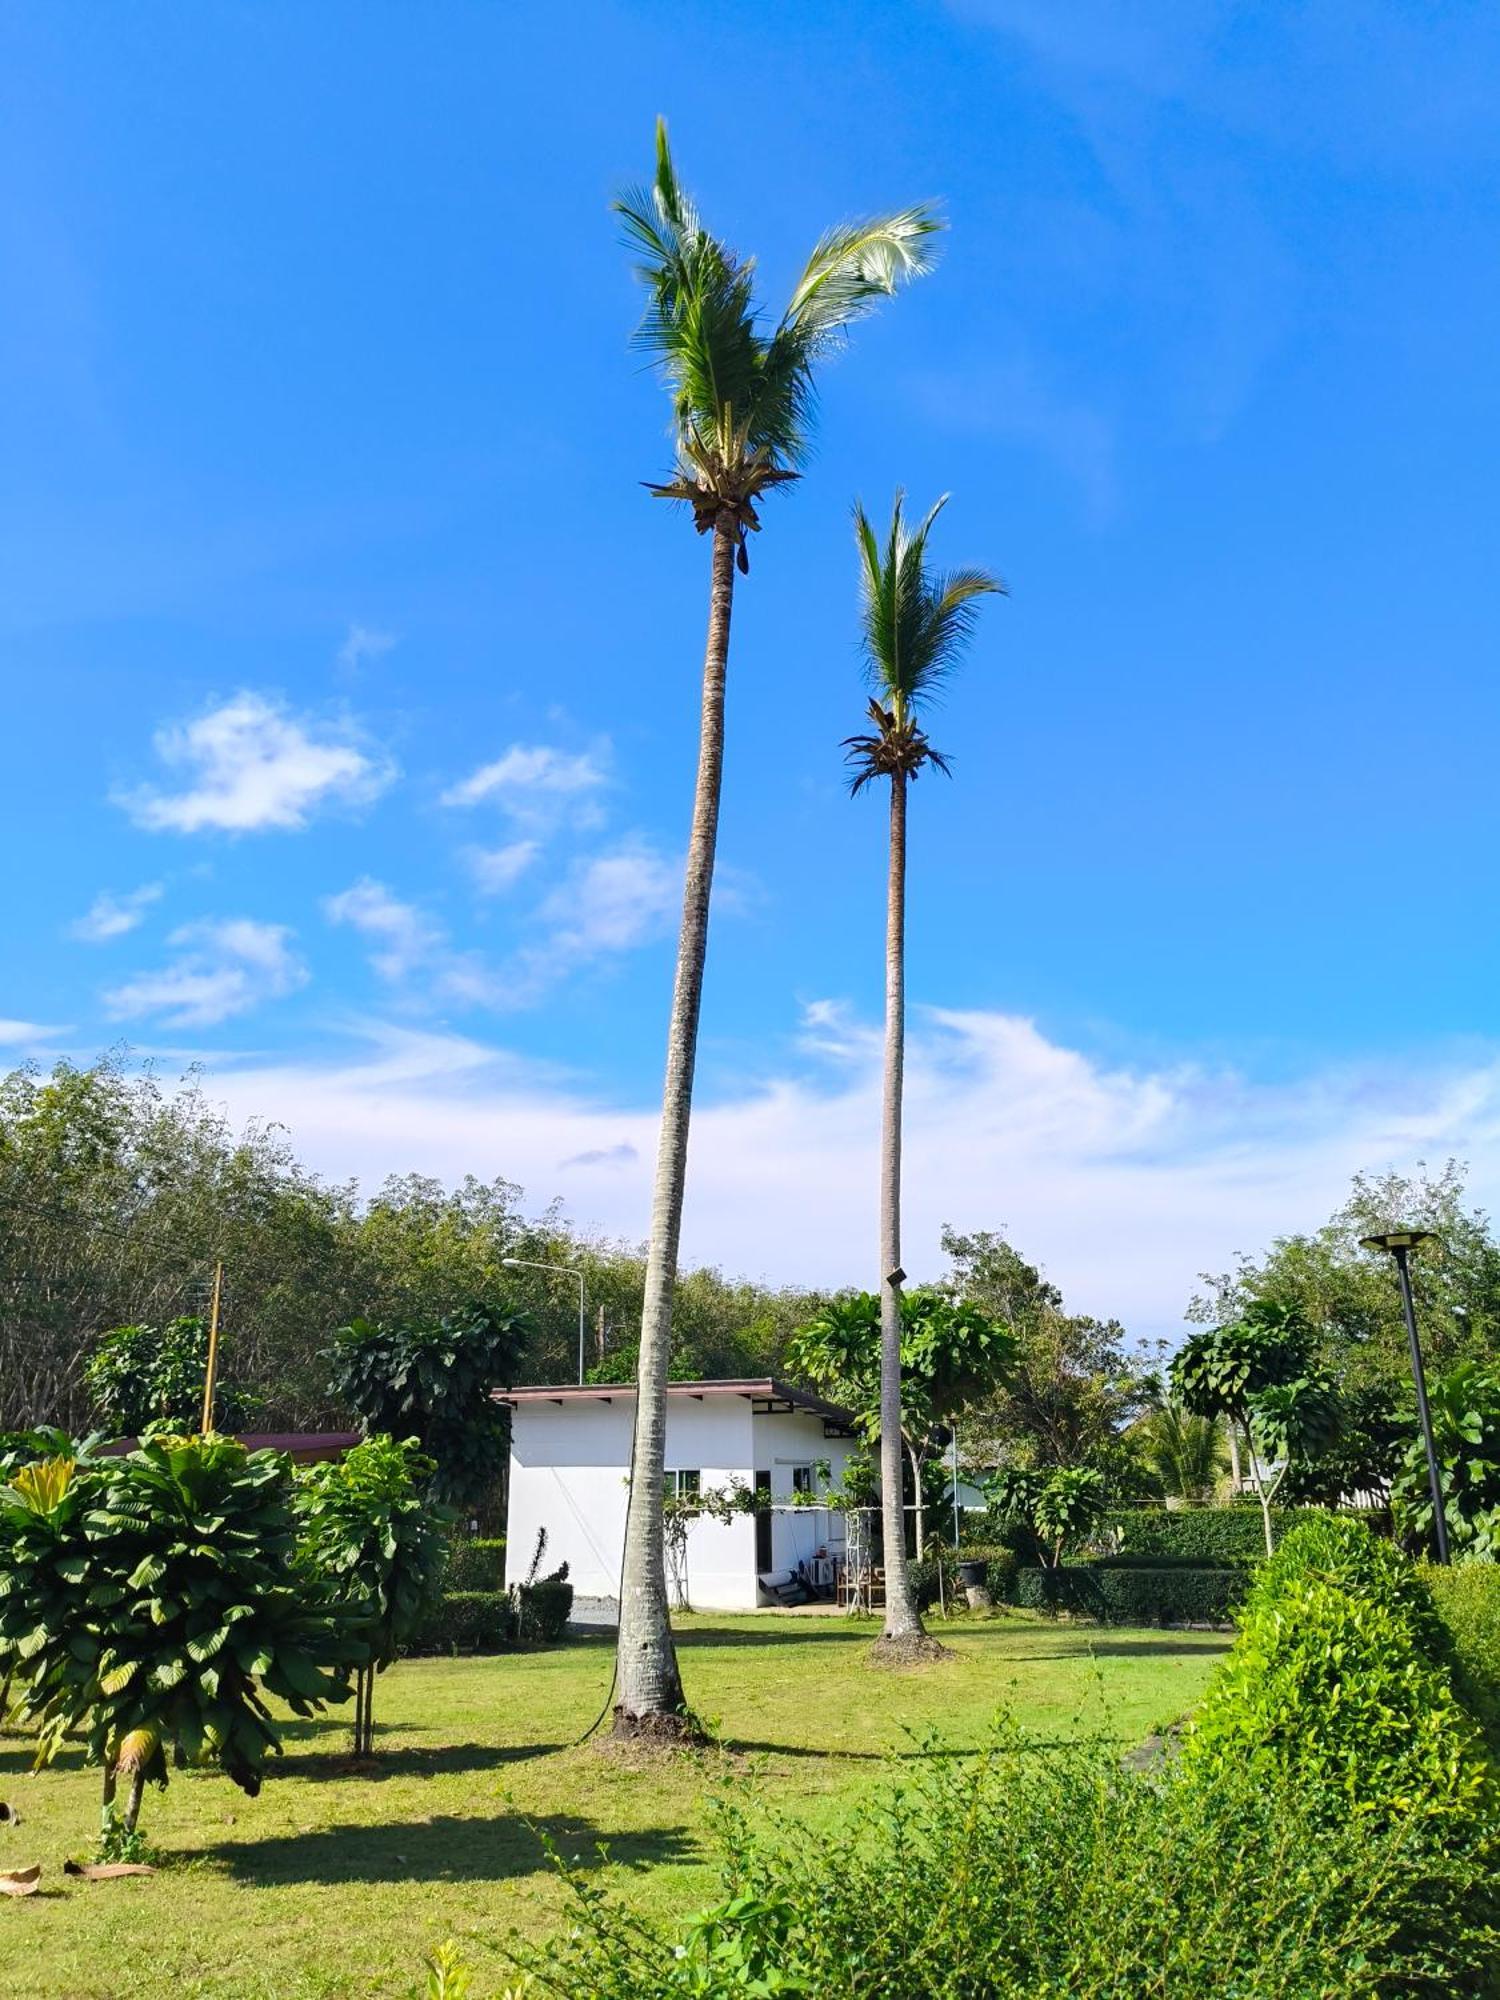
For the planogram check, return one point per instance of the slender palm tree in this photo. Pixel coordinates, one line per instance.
(742, 411)
(916, 625)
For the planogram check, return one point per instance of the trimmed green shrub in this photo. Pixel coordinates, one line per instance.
(1016, 1875)
(1199, 1534)
(1337, 1691)
(542, 1609)
(1466, 1598)
(476, 1563)
(467, 1621)
(1126, 1594)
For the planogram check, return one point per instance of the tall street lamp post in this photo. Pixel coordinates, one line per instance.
(1400, 1243)
(531, 1264)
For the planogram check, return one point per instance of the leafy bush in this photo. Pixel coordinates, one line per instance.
(149, 1603)
(140, 1377)
(543, 1608)
(1337, 1690)
(476, 1562)
(1202, 1534)
(1126, 1594)
(376, 1546)
(433, 1379)
(466, 1621)
(1465, 1406)
(1466, 1597)
(1022, 1875)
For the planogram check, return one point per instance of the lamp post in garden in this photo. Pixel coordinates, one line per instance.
(1400, 1243)
(531, 1264)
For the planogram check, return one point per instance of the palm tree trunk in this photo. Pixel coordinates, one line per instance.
(902, 1619)
(650, 1686)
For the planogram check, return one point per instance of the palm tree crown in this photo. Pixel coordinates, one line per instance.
(916, 623)
(743, 398)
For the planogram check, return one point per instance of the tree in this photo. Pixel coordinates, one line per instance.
(1257, 1373)
(368, 1534)
(915, 626)
(950, 1354)
(1070, 1392)
(144, 1376)
(742, 410)
(1057, 1505)
(1347, 1295)
(148, 1606)
(434, 1380)
(1185, 1453)
(1465, 1408)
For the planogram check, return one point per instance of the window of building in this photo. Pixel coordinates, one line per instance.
(684, 1485)
(802, 1479)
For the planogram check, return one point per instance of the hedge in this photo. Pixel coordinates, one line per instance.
(476, 1563)
(467, 1621)
(1000, 1573)
(1467, 1599)
(543, 1608)
(1123, 1594)
(1198, 1534)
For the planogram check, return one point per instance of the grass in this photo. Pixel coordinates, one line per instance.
(334, 1883)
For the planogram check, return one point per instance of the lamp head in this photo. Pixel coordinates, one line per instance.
(1398, 1239)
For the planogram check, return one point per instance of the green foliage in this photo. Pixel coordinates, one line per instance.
(1016, 1875)
(1069, 1390)
(949, 1354)
(467, 1621)
(149, 1603)
(543, 1608)
(447, 1974)
(434, 1379)
(1466, 1597)
(1349, 1295)
(1376, 1422)
(1185, 1454)
(475, 1563)
(142, 1378)
(370, 1537)
(1221, 1372)
(742, 397)
(1224, 1535)
(1133, 1592)
(1338, 1689)
(1465, 1407)
(1058, 1506)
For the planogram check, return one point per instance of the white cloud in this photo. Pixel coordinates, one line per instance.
(111, 916)
(496, 869)
(362, 643)
(406, 939)
(1125, 1182)
(251, 765)
(537, 785)
(223, 967)
(28, 1034)
(613, 902)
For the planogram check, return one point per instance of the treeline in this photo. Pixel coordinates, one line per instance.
(118, 1194)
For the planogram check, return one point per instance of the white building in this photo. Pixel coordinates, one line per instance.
(570, 1456)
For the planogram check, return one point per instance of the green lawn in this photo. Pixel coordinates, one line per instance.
(337, 1884)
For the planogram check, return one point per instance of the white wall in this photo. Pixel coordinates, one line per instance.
(567, 1473)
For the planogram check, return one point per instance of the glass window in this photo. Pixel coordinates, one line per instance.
(685, 1484)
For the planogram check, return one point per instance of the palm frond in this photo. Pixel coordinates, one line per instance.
(853, 268)
(915, 623)
(742, 402)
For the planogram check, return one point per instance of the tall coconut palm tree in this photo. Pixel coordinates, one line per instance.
(742, 409)
(916, 625)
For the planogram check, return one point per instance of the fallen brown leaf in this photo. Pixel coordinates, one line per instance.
(21, 1881)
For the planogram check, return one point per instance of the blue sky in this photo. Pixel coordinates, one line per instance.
(351, 674)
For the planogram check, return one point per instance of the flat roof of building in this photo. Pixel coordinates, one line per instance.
(774, 1397)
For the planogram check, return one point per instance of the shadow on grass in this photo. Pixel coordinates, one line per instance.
(330, 1762)
(921, 1753)
(500, 1848)
(795, 1632)
(1128, 1648)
